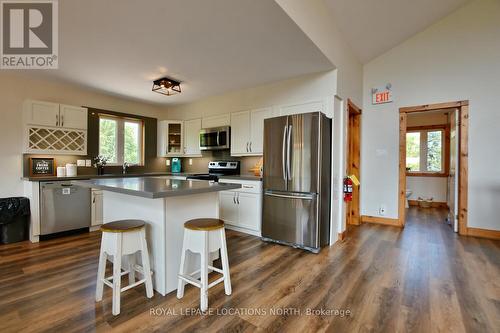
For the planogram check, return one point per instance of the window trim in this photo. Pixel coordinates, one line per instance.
(445, 152)
(120, 138)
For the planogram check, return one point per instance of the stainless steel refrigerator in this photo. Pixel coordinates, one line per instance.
(296, 175)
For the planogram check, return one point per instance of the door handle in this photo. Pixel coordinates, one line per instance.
(238, 198)
(287, 196)
(62, 120)
(250, 146)
(283, 162)
(288, 167)
(57, 120)
(234, 198)
(247, 147)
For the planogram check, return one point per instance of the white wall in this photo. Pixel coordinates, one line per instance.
(422, 71)
(15, 88)
(314, 17)
(297, 90)
(428, 187)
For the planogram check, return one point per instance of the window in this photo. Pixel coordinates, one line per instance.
(425, 151)
(120, 140)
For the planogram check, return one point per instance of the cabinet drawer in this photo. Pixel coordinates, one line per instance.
(248, 186)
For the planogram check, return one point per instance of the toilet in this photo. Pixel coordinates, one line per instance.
(408, 194)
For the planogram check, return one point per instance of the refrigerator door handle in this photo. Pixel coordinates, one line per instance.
(283, 152)
(288, 167)
(288, 196)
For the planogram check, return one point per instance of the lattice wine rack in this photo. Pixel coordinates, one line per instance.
(56, 140)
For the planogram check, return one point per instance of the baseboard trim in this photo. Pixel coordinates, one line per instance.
(380, 220)
(342, 235)
(483, 233)
(434, 204)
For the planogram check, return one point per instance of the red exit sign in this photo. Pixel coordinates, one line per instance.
(380, 96)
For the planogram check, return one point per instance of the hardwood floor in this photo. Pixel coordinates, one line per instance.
(424, 278)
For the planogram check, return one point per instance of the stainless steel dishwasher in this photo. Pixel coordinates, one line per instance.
(63, 207)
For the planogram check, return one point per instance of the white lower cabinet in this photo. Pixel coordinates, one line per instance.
(96, 208)
(241, 209)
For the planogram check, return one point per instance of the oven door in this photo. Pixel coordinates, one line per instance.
(214, 138)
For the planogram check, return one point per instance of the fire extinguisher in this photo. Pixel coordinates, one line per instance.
(347, 189)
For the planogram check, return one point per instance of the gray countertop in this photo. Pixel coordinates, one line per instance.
(155, 187)
(109, 175)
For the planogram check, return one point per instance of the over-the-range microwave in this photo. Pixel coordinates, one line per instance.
(215, 138)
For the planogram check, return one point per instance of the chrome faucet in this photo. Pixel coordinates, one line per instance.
(125, 167)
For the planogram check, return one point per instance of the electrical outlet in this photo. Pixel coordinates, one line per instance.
(190, 161)
(381, 210)
(168, 162)
(88, 163)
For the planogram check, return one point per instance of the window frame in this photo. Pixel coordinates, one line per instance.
(445, 151)
(120, 138)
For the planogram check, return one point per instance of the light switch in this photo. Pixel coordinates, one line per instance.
(381, 152)
(168, 162)
(80, 163)
(190, 161)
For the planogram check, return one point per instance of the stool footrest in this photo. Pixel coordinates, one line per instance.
(190, 280)
(133, 285)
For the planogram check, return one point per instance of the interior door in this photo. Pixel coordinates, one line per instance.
(257, 129)
(240, 132)
(191, 137)
(353, 166)
(453, 175)
(73, 117)
(274, 172)
(303, 153)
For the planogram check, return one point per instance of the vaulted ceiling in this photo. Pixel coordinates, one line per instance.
(374, 27)
(213, 46)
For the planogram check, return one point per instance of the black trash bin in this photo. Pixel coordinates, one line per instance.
(14, 219)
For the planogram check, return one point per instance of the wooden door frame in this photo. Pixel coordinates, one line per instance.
(353, 160)
(463, 172)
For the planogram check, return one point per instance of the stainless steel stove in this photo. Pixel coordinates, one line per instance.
(218, 169)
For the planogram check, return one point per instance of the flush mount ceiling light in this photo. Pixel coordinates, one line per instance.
(166, 86)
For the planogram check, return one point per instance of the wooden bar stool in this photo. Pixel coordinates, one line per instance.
(123, 238)
(204, 236)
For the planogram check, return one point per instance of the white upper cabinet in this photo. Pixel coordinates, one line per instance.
(51, 128)
(216, 121)
(170, 138)
(240, 133)
(257, 118)
(247, 131)
(192, 137)
(324, 105)
(72, 116)
(41, 113)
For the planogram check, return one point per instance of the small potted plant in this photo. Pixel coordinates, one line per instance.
(99, 163)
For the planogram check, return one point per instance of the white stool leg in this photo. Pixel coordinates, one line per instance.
(131, 270)
(101, 271)
(145, 264)
(117, 268)
(225, 262)
(204, 273)
(182, 269)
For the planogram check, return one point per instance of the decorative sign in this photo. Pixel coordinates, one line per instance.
(40, 167)
(382, 95)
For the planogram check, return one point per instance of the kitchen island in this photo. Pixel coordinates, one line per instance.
(164, 204)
